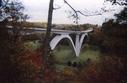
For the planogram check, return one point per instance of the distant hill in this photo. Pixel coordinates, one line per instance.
(36, 24)
(55, 26)
(74, 27)
(30, 24)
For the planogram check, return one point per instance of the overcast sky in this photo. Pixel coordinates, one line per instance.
(38, 10)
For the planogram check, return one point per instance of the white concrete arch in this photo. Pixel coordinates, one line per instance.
(58, 38)
(76, 47)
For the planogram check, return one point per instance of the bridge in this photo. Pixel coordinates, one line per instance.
(60, 35)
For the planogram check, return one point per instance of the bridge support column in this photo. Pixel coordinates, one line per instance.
(77, 44)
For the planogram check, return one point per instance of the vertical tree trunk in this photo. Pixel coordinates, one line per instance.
(46, 47)
(0, 3)
(46, 42)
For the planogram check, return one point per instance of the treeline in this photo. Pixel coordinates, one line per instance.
(17, 64)
(111, 38)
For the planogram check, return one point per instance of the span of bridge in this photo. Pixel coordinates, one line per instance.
(60, 35)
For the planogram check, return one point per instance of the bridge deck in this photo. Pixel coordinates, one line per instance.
(57, 31)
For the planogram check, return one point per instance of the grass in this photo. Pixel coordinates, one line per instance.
(64, 54)
(31, 45)
(89, 53)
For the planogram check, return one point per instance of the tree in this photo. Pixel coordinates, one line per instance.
(10, 13)
(114, 40)
(0, 3)
(119, 2)
(122, 16)
(45, 68)
(12, 10)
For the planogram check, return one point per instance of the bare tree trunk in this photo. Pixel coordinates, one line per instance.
(45, 45)
(46, 42)
(0, 3)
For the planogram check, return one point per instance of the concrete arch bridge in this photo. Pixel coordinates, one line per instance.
(60, 35)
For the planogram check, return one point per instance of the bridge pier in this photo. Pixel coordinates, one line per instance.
(77, 44)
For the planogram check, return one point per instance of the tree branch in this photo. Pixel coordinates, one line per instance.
(76, 12)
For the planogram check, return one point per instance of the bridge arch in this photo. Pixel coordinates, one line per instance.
(55, 41)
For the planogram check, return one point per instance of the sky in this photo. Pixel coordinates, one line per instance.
(38, 11)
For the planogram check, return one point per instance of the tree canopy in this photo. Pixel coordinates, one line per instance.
(12, 10)
(119, 2)
(122, 16)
